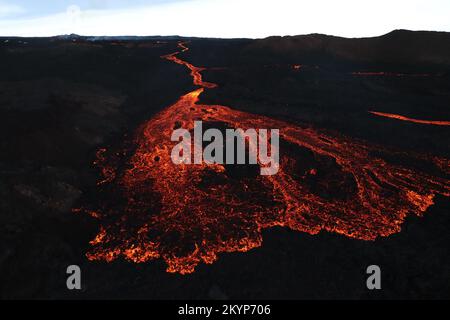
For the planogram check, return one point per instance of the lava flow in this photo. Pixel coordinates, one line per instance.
(390, 74)
(402, 118)
(184, 214)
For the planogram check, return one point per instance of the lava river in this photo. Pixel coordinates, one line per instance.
(150, 208)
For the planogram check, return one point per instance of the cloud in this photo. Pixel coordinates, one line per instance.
(238, 18)
(9, 9)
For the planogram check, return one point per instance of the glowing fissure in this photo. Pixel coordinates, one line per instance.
(390, 74)
(188, 214)
(402, 118)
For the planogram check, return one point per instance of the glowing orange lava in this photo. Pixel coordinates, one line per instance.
(390, 74)
(188, 214)
(402, 118)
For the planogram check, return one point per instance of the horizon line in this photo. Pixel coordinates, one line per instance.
(223, 38)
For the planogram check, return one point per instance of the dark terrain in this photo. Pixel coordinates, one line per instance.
(63, 99)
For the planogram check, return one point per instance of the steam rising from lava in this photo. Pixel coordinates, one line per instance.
(188, 214)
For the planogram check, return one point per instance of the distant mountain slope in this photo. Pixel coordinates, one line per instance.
(397, 47)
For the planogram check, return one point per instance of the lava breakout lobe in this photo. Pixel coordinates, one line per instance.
(150, 208)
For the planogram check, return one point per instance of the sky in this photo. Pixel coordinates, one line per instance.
(221, 18)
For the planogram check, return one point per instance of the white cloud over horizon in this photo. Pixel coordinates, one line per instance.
(239, 18)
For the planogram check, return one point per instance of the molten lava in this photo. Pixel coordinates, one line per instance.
(390, 74)
(151, 208)
(399, 117)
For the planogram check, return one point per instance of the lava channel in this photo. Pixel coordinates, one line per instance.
(403, 118)
(150, 208)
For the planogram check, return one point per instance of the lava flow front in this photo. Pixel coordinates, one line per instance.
(187, 214)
